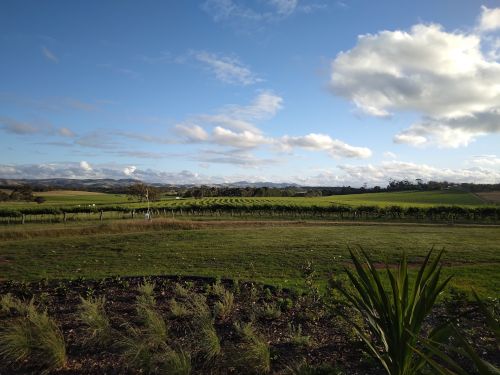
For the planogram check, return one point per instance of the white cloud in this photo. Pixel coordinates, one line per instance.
(486, 160)
(244, 139)
(191, 133)
(489, 19)
(85, 166)
(322, 142)
(128, 171)
(49, 55)
(227, 69)
(13, 126)
(443, 76)
(390, 155)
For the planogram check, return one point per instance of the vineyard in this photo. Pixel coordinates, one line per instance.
(325, 208)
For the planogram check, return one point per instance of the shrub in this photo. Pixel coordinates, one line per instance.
(394, 319)
(93, 316)
(34, 336)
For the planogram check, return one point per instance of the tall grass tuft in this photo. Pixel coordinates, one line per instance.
(98, 327)
(393, 318)
(34, 337)
(176, 362)
(146, 299)
(177, 309)
(224, 308)
(256, 354)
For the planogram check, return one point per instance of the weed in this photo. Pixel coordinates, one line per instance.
(93, 315)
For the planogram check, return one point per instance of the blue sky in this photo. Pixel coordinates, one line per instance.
(308, 91)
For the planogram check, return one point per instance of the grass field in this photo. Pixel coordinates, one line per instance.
(412, 198)
(273, 254)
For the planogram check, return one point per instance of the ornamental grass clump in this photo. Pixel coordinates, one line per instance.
(33, 337)
(97, 325)
(255, 351)
(224, 308)
(393, 318)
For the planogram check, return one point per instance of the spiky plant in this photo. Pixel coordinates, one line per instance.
(97, 325)
(394, 318)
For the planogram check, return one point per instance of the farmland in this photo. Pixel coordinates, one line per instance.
(257, 269)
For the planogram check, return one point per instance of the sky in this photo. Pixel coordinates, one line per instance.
(313, 92)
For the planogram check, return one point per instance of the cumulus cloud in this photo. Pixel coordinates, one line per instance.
(443, 76)
(85, 166)
(49, 55)
(486, 160)
(227, 69)
(322, 142)
(489, 19)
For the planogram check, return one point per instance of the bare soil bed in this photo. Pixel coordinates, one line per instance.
(325, 338)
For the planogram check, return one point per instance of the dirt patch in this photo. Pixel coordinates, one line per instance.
(490, 196)
(331, 339)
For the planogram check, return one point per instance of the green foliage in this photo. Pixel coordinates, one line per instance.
(93, 316)
(180, 291)
(33, 336)
(394, 319)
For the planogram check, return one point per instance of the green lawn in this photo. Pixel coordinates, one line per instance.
(270, 254)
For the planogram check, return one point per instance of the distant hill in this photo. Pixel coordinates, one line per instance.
(67, 183)
(111, 184)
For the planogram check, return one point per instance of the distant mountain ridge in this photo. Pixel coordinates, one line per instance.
(108, 183)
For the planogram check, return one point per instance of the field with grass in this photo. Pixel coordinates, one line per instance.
(145, 296)
(271, 252)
